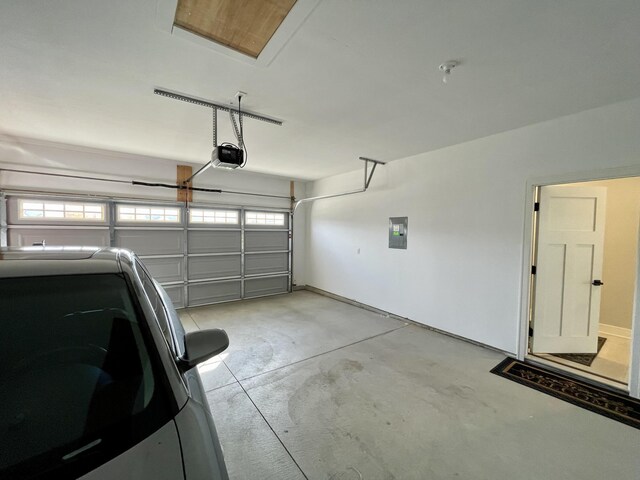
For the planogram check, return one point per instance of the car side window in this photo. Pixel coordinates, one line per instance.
(156, 303)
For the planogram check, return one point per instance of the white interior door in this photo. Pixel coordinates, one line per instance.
(569, 267)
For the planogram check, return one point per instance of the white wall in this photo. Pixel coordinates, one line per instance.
(620, 250)
(466, 207)
(34, 155)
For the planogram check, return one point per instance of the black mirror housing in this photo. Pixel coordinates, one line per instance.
(201, 346)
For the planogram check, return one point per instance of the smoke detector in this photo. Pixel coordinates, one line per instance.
(446, 68)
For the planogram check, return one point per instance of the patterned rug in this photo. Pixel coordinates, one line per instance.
(582, 358)
(616, 406)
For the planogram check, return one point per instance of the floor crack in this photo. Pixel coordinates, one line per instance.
(268, 424)
(319, 354)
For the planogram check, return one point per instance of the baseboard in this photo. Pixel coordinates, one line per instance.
(364, 306)
(355, 303)
(295, 288)
(615, 331)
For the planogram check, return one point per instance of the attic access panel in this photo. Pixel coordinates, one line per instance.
(242, 25)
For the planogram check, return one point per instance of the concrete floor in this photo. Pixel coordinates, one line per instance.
(314, 388)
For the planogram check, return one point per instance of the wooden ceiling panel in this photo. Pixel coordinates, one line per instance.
(243, 25)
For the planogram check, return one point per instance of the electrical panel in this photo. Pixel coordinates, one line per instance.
(398, 232)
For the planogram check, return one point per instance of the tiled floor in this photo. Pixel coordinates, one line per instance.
(612, 361)
(315, 388)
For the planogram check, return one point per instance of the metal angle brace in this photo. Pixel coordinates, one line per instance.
(367, 179)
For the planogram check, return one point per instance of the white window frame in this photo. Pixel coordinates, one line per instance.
(139, 211)
(213, 216)
(62, 207)
(264, 219)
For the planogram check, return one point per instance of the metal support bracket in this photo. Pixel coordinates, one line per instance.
(200, 170)
(367, 181)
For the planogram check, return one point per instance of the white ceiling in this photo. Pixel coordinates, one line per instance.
(358, 78)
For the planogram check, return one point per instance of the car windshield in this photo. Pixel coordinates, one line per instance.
(78, 376)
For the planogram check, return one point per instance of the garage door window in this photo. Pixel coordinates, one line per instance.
(39, 210)
(147, 214)
(211, 216)
(264, 218)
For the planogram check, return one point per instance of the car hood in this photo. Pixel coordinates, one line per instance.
(157, 457)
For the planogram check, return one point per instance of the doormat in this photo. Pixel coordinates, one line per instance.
(582, 358)
(616, 406)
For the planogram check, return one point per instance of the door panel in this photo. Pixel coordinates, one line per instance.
(571, 214)
(570, 255)
(215, 241)
(151, 242)
(255, 287)
(264, 241)
(23, 237)
(167, 269)
(217, 266)
(204, 293)
(554, 279)
(581, 290)
(264, 263)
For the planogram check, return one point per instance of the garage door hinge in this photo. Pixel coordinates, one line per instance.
(533, 269)
(536, 207)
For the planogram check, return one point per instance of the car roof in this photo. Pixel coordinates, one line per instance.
(46, 261)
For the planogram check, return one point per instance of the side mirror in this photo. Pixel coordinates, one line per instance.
(202, 345)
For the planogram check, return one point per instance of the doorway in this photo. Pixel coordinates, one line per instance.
(583, 280)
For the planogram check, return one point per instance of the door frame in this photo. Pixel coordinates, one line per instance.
(528, 244)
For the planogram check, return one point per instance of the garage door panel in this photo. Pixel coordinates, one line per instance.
(255, 287)
(204, 293)
(216, 241)
(214, 267)
(265, 241)
(262, 263)
(151, 242)
(164, 270)
(198, 262)
(19, 237)
(176, 294)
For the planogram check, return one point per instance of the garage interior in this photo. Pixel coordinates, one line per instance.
(365, 310)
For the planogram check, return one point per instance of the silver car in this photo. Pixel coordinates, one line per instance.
(97, 376)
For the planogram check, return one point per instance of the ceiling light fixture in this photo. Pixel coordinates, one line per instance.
(446, 68)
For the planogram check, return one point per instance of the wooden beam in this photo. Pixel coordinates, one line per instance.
(243, 25)
(183, 173)
(292, 193)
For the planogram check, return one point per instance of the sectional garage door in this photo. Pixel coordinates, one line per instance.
(214, 256)
(201, 254)
(156, 233)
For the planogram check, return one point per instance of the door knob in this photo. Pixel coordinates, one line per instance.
(597, 283)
